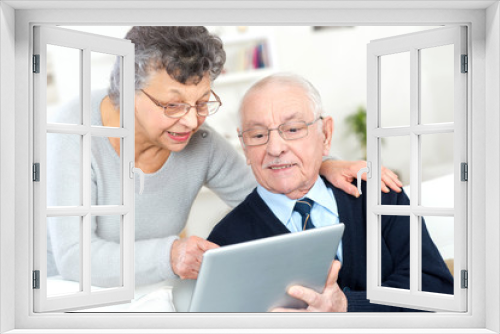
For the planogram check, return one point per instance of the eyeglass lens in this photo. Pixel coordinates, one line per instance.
(180, 109)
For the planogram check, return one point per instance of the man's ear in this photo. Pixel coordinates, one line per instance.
(328, 126)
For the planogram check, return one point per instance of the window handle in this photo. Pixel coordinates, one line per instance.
(134, 170)
(368, 171)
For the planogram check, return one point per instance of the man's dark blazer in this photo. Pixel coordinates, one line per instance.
(253, 219)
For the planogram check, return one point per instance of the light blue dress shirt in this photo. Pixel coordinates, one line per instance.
(323, 213)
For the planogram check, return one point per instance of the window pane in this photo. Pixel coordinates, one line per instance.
(63, 255)
(63, 170)
(63, 85)
(395, 90)
(437, 170)
(441, 231)
(106, 171)
(395, 155)
(437, 83)
(101, 65)
(106, 252)
(395, 257)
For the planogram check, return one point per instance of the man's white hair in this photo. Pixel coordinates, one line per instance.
(288, 79)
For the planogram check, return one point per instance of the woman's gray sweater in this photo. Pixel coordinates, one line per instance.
(161, 212)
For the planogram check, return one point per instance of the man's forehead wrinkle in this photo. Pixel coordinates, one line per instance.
(290, 105)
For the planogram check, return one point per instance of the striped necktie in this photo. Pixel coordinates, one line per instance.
(304, 206)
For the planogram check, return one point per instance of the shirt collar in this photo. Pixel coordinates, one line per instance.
(279, 204)
(282, 206)
(321, 195)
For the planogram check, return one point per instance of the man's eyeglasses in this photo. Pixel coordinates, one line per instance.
(178, 110)
(288, 131)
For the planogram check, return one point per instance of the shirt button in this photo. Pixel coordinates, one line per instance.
(346, 289)
(204, 134)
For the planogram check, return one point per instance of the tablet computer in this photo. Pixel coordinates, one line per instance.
(254, 276)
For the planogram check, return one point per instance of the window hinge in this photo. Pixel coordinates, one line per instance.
(36, 279)
(465, 64)
(465, 279)
(36, 63)
(464, 168)
(36, 172)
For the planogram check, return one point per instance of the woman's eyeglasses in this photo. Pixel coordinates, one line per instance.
(178, 110)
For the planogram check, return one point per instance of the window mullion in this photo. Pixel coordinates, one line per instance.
(128, 152)
(405, 210)
(99, 131)
(415, 253)
(420, 129)
(373, 265)
(415, 261)
(86, 279)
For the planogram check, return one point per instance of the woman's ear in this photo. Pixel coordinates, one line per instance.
(240, 139)
(242, 145)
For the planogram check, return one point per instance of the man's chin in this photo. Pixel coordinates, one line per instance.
(292, 188)
(287, 190)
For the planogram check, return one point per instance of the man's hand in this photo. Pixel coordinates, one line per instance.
(342, 173)
(186, 256)
(332, 299)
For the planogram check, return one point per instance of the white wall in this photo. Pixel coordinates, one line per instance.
(7, 166)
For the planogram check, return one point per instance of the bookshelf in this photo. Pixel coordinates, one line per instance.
(250, 56)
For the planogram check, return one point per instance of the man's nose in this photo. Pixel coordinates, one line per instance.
(276, 145)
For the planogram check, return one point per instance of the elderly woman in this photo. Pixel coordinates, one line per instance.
(175, 67)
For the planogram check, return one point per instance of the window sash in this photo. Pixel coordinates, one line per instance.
(414, 298)
(86, 43)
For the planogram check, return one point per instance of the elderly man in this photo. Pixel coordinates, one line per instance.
(284, 137)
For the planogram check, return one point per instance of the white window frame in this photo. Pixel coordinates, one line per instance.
(85, 43)
(412, 44)
(483, 20)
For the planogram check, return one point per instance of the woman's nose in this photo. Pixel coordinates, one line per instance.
(190, 119)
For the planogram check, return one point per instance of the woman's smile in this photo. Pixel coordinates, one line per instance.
(179, 136)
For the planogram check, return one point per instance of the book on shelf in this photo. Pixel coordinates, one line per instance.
(251, 58)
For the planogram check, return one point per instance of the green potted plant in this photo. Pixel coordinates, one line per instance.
(356, 123)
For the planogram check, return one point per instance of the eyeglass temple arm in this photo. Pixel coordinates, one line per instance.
(216, 97)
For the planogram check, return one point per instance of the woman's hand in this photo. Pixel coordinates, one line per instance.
(341, 173)
(186, 256)
(332, 299)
